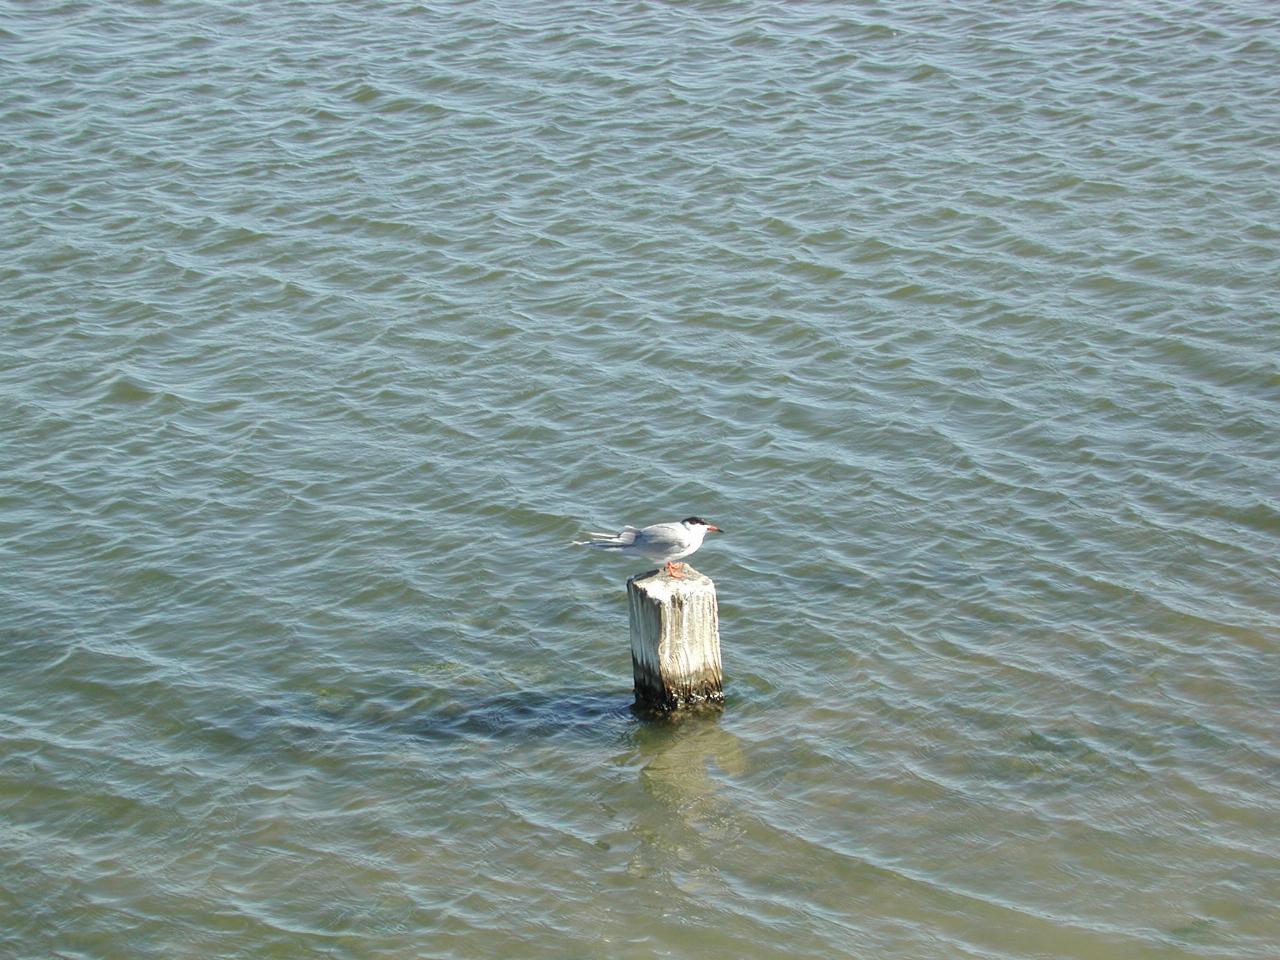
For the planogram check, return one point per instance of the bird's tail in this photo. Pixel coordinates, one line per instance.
(609, 541)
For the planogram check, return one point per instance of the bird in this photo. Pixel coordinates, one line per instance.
(660, 543)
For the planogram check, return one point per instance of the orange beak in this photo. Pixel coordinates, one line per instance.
(712, 528)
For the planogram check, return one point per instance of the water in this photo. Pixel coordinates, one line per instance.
(326, 326)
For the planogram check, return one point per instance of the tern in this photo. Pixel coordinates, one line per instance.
(662, 543)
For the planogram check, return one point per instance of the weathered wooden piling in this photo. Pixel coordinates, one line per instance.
(675, 640)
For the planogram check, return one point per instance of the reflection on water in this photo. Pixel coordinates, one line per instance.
(687, 816)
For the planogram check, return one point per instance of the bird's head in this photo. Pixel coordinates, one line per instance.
(707, 525)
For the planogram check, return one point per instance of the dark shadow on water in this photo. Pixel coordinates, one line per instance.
(546, 713)
(571, 715)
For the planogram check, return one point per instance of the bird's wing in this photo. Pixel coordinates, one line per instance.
(663, 536)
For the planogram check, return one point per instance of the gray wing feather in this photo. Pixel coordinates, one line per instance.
(664, 536)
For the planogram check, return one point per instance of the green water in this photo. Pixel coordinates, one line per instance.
(325, 328)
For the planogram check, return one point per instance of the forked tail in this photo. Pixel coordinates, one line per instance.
(609, 541)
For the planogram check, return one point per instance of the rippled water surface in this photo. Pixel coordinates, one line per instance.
(326, 326)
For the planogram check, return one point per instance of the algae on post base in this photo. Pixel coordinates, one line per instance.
(675, 640)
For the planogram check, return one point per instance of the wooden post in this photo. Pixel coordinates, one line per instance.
(675, 640)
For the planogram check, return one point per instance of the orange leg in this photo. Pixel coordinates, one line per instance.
(673, 570)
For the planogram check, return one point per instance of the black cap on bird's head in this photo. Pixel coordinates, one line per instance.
(698, 521)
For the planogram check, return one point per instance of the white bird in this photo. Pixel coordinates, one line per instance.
(660, 543)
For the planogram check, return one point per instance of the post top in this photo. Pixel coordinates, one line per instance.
(656, 583)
